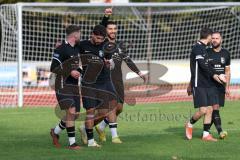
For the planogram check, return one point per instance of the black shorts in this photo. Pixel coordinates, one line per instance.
(221, 97)
(68, 98)
(97, 94)
(204, 97)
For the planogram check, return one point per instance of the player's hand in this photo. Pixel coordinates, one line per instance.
(59, 43)
(143, 76)
(108, 12)
(227, 92)
(189, 90)
(216, 78)
(75, 74)
(223, 78)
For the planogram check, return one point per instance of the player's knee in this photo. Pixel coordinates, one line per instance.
(113, 105)
(203, 110)
(72, 111)
(90, 114)
(119, 109)
(215, 107)
(90, 111)
(71, 114)
(206, 110)
(209, 110)
(77, 115)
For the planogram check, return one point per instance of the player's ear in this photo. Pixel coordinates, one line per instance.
(58, 43)
(92, 34)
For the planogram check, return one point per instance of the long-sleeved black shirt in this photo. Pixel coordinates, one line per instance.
(201, 73)
(118, 57)
(65, 59)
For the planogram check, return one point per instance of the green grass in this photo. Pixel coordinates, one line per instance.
(150, 131)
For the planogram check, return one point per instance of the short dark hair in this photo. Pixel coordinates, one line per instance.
(72, 28)
(111, 23)
(99, 30)
(217, 32)
(205, 32)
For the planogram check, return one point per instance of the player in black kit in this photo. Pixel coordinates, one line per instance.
(119, 55)
(203, 86)
(65, 64)
(97, 89)
(219, 60)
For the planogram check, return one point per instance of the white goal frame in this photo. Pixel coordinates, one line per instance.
(20, 6)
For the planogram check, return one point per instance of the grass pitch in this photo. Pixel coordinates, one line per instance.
(149, 131)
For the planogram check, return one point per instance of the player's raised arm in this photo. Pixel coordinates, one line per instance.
(107, 14)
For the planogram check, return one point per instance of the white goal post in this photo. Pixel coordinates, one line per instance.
(161, 33)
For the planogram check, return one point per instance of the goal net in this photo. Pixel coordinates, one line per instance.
(161, 37)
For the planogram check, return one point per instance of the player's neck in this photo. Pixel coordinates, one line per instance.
(217, 49)
(71, 42)
(204, 41)
(111, 40)
(91, 40)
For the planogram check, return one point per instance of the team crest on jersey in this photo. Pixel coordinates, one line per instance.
(222, 60)
(120, 50)
(55, 55)
(101, 54)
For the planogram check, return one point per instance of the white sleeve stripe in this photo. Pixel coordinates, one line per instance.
(126, 57)
(196, 75)
(199, 57)
(58, 61)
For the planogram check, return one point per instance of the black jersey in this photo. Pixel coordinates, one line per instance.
(94, 69)
(218, 61)
(65, 59)
(118, 57)
(201, 73)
